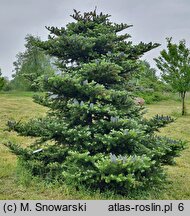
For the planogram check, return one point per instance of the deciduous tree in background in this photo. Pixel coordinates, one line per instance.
(30, 66)
(148, 85)
(174, 64)
(99, 136)
(2, 80)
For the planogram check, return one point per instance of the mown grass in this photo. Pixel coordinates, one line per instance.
(17, 183)
(178, 186)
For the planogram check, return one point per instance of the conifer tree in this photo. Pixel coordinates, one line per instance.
(99, 136)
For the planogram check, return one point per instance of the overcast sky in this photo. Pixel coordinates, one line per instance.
(153, 21)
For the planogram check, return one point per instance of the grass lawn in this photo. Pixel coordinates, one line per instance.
(16, 183)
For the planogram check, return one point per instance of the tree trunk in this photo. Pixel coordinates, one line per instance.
(183, 103)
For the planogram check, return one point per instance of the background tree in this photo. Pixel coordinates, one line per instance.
(148, 85)
(2, 80)
(174, 64)
(99, 137)
(30, 66)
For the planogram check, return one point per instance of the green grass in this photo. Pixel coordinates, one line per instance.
(16, 93)
(17, 183)
(179, 174)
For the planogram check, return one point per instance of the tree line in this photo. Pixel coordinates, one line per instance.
(29, 67)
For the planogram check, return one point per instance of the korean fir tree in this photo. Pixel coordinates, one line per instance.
(98, 136)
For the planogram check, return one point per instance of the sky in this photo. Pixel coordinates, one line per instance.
(152, 21)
